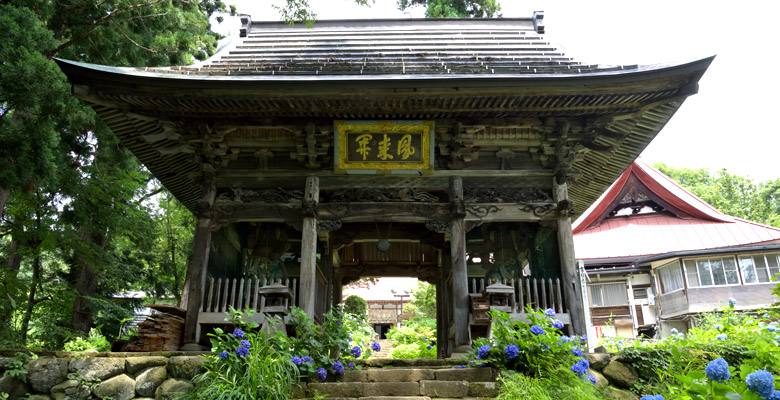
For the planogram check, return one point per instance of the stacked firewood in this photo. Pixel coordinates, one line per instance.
(160, 332)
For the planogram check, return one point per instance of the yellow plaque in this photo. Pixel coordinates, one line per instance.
(365, 147)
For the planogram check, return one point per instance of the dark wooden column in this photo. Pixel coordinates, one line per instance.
(309, 246)
(197, 270)
(571, 281)
(460, 294)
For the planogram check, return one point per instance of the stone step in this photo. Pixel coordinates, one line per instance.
(408, 383)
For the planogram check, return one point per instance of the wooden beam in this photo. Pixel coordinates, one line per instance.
(309, 246)
(197, 270)
(460, 293)
(571, 282)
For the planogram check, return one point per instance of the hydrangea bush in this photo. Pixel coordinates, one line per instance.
(536, 349)
(729, 355)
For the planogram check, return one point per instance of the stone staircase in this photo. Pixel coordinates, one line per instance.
(386, 345)
(385, 379)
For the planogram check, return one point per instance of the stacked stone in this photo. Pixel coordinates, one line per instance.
(610, 371)
(160, 332)
(146, 377)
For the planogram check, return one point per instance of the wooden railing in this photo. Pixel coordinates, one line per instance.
(240, 293)
(539, 294)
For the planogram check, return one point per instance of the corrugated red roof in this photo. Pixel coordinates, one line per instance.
(634, 235)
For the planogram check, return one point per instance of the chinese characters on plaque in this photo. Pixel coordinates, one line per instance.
(384, 146)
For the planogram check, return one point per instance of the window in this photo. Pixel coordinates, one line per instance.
(608, 294)
(760, 268)
(671, 277)
(711, 271)
(640, 293)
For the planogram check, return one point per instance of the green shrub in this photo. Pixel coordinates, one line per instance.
(558, 385)
(355, 305)
(94, 343)
(263, 370)
(405, 351)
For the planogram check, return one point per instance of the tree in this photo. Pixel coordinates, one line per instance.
(733, 195)
(356, 305)
(455, 8)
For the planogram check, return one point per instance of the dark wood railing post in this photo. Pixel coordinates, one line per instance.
(571, 281)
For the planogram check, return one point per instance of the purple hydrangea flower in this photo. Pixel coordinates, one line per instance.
(761, 383)
(537, 330)
(557, 324)
(376, 347)
(224, 354)
(306, 359)
(322, 374)
(356, 352)
(338, 368)
(549, 312)
(577, 352)
(483, 351)
(242, 351)
(245, 343)
(351, 366)
(718, 370)
(592, 379)
(429, 347)
(296, 360)
(238, 333)
(511, 352)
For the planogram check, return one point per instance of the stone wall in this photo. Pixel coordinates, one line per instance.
(118, 376)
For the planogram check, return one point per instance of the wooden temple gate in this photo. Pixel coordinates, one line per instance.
(469, 139)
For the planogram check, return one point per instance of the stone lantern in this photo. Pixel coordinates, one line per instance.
(275, 302)
(501, 297)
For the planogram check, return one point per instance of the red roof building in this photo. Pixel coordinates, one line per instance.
(658, 255)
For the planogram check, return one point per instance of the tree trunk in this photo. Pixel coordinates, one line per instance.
(9, 281)
(86, 286)
(31, 301)
(5, 193)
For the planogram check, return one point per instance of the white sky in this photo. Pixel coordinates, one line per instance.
(728, 124)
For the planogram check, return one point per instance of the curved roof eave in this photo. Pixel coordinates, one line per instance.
(176, 79)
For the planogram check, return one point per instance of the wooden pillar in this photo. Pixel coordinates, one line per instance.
(460, 293)
(197, 270)
(308, 291)
(571, 281)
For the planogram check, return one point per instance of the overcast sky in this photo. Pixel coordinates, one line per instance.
(729, 124)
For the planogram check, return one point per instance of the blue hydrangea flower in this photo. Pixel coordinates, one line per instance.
(732, 302)
(338, 368)
(461, 366)
(577, 352)
(761, 383)
(581, 367)
(296, 360)
(356, 352)
(549, 312)
(375, 346)
(718, 326)
(674, 331)
(592, 379)
(775, 395)
(511, 352)
(546, 347)
(430, 347)
(306, 359)
(771, 328)
(238, 333)
(322, 374)
(584, 337)
(718, 370)
(351, 366)
(777, 337)
(245, 343)
(242, 351)
(564, 339)
(224, 354)
(652, 397)
(722, 336)
(483, 351)
(557, 324)
(537, 330)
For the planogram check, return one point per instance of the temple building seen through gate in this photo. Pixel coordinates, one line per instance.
(453, 151)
